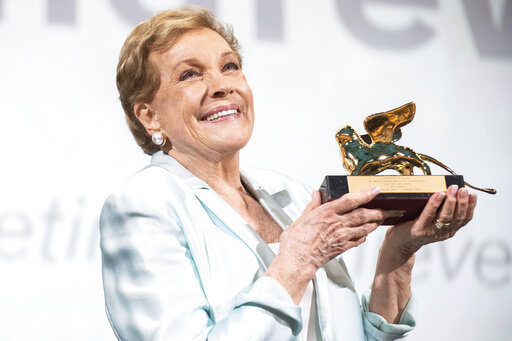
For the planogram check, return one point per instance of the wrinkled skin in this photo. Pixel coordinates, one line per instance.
(325, 231)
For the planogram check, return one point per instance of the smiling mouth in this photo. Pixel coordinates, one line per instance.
(221, 114)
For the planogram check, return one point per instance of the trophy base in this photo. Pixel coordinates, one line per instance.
(403, 196)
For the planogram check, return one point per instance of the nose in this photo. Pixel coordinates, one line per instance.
(220, 85)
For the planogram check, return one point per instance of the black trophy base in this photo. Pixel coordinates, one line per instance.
(403, 196)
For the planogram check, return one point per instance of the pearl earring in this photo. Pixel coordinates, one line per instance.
(159, 138)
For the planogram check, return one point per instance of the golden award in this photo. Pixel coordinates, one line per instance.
(364, 156)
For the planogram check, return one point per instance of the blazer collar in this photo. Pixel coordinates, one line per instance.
(171, 164)
(253, 184)
(222, 211)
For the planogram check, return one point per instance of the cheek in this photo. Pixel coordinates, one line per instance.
(191, 96)
(184, 103)
(187, 105)
(245, 91)
(248, 92)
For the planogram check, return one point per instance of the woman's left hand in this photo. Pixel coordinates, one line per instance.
(436, 222)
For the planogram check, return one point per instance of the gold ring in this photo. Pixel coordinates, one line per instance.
(440, 225)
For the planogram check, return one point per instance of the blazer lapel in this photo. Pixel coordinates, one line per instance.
(216, 207)
(266, 200)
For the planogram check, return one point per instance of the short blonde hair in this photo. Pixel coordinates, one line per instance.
(138, 79)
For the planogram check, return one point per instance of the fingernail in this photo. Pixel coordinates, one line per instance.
(313, 194)
(375, 191)
(463, 193)
(440, 196)
(453, 189)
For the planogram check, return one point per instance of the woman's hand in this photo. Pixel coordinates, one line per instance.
(391, 288)
(321, 233)
(436, 222)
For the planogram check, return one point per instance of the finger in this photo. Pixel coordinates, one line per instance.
(347, 245)
(461, 208)
(448, 209)
(471, 207)
(430, 211)
(361, 216)
(358, 242)
(351, 201)
(358, 232)
(315, 202)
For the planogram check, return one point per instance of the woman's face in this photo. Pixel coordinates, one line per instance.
(204, 103)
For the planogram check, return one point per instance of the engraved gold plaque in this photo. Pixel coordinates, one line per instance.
(398, 184)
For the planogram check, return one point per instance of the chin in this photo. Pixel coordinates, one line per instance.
(234, 144)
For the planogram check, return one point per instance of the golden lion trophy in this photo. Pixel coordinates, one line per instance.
(364, 156)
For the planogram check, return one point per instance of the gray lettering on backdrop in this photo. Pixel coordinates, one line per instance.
(75, 228)
(62, 235)
(451, 269)
(52, 218)
(210, 4)
(269, 16)
(131, 10)
(352, 16)
(15, 230)
(493, 38)
(492, 260)
(134, 12)
(62, 12)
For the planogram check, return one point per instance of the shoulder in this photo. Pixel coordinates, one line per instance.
(153, 189)
(151, 182)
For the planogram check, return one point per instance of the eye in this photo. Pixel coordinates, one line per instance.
(189, 74)
(231, 67)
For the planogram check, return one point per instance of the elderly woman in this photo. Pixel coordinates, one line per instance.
(196, 248)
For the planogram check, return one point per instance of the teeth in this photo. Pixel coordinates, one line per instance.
(221, 114)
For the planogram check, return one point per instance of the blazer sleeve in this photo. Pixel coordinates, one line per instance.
(376, 328)
(152, 287)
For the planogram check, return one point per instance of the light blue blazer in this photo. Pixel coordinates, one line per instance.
(180, 264)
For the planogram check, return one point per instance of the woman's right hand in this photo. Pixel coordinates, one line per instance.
(321, 233)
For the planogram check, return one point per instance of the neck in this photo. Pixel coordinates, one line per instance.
(218, 173)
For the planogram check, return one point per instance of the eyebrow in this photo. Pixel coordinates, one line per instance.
(224, 54)
(192, 61)
(195, 61)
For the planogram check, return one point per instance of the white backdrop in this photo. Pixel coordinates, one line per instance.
(313, 66)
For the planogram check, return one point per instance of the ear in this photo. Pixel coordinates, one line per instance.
(147, 117)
